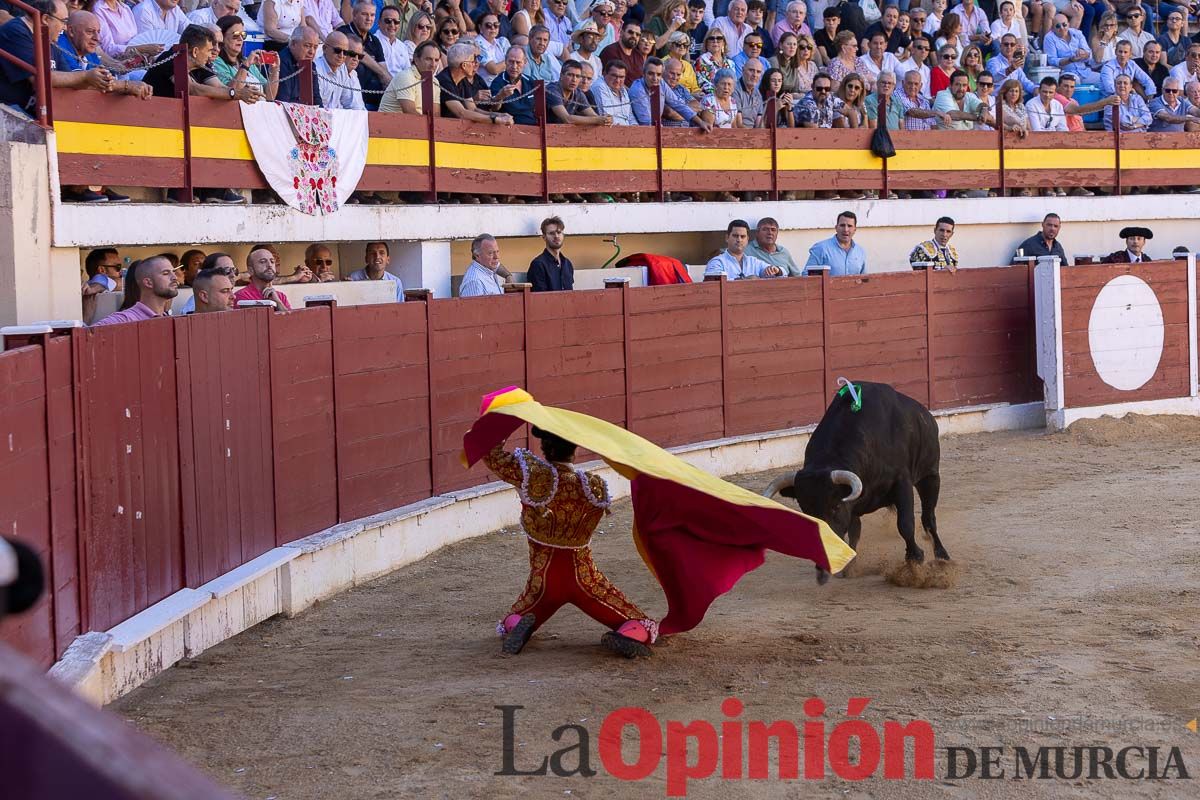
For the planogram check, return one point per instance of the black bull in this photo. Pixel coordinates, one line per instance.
(861, 461)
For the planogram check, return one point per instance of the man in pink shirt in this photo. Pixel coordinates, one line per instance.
(155, 283)
(263, 263)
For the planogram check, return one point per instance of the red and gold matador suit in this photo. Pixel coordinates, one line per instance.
(560, 509)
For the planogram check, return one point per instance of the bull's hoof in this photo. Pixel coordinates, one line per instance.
(916, 554)
(941, 555)
(822, 577)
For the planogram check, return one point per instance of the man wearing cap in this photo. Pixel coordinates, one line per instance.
(602, 13)
(586, 39)
(1135, 243)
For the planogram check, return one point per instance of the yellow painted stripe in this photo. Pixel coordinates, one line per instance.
(95, 138)
(398, 152)
(600, 159)
(799, 160)
(1060, 159)
(228, 143)
(944, 160)
(1160, 159)
(452, 155)
(717, 160)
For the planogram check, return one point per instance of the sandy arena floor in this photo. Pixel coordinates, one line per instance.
(1074, 621)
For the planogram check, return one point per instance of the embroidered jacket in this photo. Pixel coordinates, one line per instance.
(560, 505)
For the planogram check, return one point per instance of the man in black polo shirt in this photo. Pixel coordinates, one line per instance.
(372, 74)
(303, 45)
(511, 83)
(1045, 243)
(463, 90)
(897, 40)
(552, 271)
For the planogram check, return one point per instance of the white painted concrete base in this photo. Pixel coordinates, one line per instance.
(1064, 418)
(290, 579)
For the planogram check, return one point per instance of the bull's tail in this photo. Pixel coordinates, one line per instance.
(780, 483)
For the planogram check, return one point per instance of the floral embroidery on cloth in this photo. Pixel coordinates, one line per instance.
(313, 160)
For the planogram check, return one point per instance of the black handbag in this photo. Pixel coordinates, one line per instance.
(881, 141)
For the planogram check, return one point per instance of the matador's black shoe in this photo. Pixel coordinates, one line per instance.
(623, 645)
(515, 640)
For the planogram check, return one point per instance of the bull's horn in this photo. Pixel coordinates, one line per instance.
(847, 478)
(778, 484)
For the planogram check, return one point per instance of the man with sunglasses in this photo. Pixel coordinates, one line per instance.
(332, 74)
(1010, 63)
(559, 23)
(396, 57)
(587, 40)
(820, 108)
(1172, 111)
(602, 14)
(752, 47)
(1188, 70)
(916, 62)
(318, 261)
(1066, 49)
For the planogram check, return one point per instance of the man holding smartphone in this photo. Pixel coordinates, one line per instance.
(1010, 63)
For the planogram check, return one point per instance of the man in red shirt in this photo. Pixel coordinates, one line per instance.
(626, 51)
(263, 263)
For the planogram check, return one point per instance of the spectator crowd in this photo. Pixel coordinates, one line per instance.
(1028, 66)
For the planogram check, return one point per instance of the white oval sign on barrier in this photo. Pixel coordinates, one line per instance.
(1125, 333)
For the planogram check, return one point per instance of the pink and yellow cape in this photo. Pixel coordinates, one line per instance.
(697, 533)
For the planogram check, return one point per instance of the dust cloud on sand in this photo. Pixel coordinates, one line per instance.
(1073, 621)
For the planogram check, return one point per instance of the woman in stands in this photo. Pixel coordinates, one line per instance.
(236, 71)
(669, 19)
(1104, 40)
(797, 68)
(847, 58)
(448, 33)
(943, 68)
(420, 29)
(529, 15)
(950, 32)
(711, 61)
(772, 86)
(680, 46)
(492, 46)
(278, 18)
(1014, 115)
(853, 93)
(972, 64)
(117, 27)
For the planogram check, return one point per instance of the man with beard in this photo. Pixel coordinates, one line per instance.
(378, 258)
(156, 280)
(212, 290)
(263, 263)
(626, 52)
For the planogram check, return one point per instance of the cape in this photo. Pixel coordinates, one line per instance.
(697, 534)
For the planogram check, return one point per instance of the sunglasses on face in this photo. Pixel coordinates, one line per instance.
(491, 24)
(754, 45)
(983, 85)
(1171, 91)
(804, 47)
(715, 39)
(339, 51)
(328, 262)
(949, 56)
(820, 89)
(603, 13)
(450, 31)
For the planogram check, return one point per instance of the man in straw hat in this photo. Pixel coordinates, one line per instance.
(586, 40)
(1135, 244)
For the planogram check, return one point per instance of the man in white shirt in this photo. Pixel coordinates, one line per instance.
(921, 47)
(480, 278)
(154, 15)
(1045, 112)
(877, 60)
(322, 16)
(396, 55)
(1188, 70)
(332, 74)
(612, 97)
(211, 13)
(734, 263)
(733, 26)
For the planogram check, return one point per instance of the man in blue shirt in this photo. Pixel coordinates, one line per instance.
(511, 84)
(552, 271)
(639, 97)
(733, 262)
(379, 257)
(1123, 65)
(539, 64)
(1133, 115)
(1066, 49)
(839, 254)
(1010, 63)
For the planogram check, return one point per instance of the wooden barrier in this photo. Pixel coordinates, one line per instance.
(146, 458)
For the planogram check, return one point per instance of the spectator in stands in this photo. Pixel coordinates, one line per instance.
(791, 22)
(539, 64)
(587, 79)
(1172, 111)
(756, 11)
(403, 94)
(322, 16)
(668, 99)
(885, 87)
(826, 37)
(16, 37)
(852, 93)
(1135, 32)
(1174, 40)
(917, 111)
(1104, 40)
(303, 45)
(720, 108)
(670, 17)
(214, 11)
(318, 267)
(462, 87)
(1045, 112)
(794, 61)
(447, 33)
(1012, 115)
(894, 39)
(332, 75)
(846, 60)
(752, 47)
(1045, 243)
(117, 27)
(939, 74)
(481, 277)
(372, 71)
(103, 268)
(611, 95)
(559, 23)
(1010, 63)
(492, 46)
(587, 41)
(154, 15)
(511, 84)
(839, 254)
(975, 26)
(212, 290)
(278, 20)
(712, 61)
(1135, 245)
(1066, 49)
(733, 26)
(917, 62)
(820, 109)
(1188, 70)
(696, 28)
(192, 261)
(1075, 110)
(1009, 23)
(1123, 65)
(378, 258)
(565, 103)
(1192, 93)
(766, 248)
(235, 71)
(626, 53)
(156, 285)
(964, 109)
(1153, 64)
(673, 72)
(552, 271)
(398, 51)
(1133, 113)
(504, 29)
(937, 251)
(747, 97)
(263, 263)
(734, 262)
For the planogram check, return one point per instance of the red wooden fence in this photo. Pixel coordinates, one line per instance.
(144, 458)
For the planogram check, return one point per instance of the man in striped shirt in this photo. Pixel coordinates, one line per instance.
(918, 116)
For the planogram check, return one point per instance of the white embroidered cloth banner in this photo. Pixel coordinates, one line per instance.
(312, 157)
